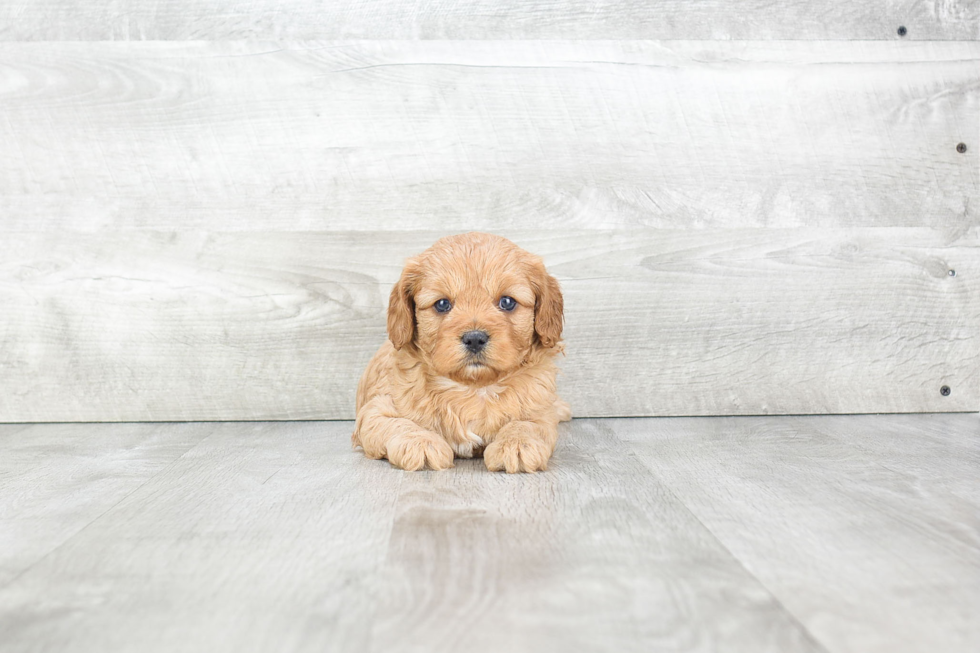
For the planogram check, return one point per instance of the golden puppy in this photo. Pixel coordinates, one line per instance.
(474, 325)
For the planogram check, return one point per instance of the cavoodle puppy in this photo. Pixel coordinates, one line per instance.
(474, 325)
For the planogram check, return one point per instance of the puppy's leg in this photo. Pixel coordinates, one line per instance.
(403, 442)
(521, 447)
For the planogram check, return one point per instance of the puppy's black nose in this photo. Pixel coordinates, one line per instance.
(475, 341)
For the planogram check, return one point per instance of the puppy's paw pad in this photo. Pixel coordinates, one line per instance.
(514, 455)
(415, 451)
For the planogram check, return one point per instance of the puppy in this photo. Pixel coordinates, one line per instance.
(474, 325)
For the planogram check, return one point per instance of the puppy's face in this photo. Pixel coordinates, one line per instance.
(474, 306)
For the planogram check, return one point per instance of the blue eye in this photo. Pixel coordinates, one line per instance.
(507, 303)
(443, 306)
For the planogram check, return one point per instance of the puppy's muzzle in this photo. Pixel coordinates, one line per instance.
(475, 341)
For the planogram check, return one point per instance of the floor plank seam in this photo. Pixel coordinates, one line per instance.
(105, 512)
(813, 638)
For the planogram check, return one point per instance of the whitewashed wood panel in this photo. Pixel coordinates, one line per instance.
(278, 537)
(263, 537)
(713, 535)
(865, 557)
(463, 135)
(938, 453)
(593, 555)
(57, 479)
(487, 19)
(279, 325)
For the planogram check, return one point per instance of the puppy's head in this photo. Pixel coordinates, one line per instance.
(474, 306)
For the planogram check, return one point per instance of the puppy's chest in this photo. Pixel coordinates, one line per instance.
(473, 417)
(483, 407)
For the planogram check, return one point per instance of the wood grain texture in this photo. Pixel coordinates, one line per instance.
(712, 534)
(594, 555)
(279, 325)
(263, 537)
(48, 20)
(459, 135)
(937, 453)
(57, 479)
(866, 557)
(279, 537)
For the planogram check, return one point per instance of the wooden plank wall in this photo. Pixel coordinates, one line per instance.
(209, 20)
(754, 207)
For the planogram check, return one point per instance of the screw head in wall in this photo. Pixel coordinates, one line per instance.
(902, 31)
(944, 391)
(952, 273)
(961, 148)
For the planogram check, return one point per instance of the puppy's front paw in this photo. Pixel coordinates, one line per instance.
(416, 450)
(516, 453)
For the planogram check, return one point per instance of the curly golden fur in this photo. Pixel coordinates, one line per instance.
(428, 395)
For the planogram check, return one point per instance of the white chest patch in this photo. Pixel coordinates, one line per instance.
(465, 449)
(488, 394)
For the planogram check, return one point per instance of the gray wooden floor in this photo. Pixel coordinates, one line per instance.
(710, 534)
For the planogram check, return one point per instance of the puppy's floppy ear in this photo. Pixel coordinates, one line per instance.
(548, 307)
(401, 306)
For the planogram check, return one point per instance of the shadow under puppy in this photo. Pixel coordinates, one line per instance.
(474, 325)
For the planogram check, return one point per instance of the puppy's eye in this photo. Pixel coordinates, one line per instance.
(443, 306)
(507, 303)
